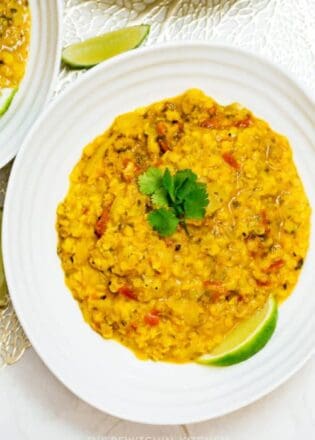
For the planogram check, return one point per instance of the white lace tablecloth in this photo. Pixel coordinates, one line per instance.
(281, 30)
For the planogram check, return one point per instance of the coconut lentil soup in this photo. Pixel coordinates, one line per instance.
(175, 297)
(14, 41)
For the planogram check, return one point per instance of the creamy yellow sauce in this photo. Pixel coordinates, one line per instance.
(14, 41)
(176, 298)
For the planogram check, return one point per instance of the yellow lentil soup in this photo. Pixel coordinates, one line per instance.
(175, 298)
(14, 41)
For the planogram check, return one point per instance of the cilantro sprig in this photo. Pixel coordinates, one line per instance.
(175, 198)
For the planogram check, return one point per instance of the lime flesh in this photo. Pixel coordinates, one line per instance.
(6, 97)
(246, 339)
(90, 52)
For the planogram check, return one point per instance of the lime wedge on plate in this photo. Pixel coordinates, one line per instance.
(3, 284)
(90, 52)
(6, 96)
(246, 339)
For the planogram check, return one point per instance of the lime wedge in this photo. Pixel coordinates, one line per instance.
(6, 96)
(3, 284)
(90, 52)
(246, 339)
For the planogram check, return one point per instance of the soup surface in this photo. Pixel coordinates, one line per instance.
(175, 298)
(14, 41)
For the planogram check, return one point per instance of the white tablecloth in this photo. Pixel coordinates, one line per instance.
(34, 405)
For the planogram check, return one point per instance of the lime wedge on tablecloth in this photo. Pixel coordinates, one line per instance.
(3, 284)
(6, 97)
(90, 52)
(246, 339)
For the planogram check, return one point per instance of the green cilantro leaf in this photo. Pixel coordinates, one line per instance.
(182, 176)
(196, 202)
(159, 198)
(150, 181)
(164, 221)
(168, 183)
(177, 198)
(185, 182)
(185, 189)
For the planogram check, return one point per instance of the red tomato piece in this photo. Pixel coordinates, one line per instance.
(230, 160)
(127, 292)
(161, 128)
(244, 123)
(211, 123)
(152, 318)
(276, 265)
(101, 223)
(262, 283)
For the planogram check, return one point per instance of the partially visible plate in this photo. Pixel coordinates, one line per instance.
(41, 73)
(104, 373)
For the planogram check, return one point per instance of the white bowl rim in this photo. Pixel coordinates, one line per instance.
(7, 157)
(18, 163)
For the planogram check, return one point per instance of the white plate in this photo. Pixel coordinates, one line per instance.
(41, 73)
(104, 373)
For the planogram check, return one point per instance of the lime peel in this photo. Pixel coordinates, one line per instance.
(247, 339)
(90, 52)
(6, 96)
